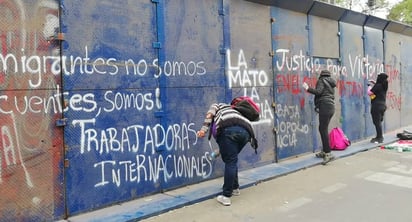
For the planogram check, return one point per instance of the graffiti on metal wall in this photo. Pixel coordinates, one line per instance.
(140, 140)
(124, 140)
(295, 68)
(147, 139)
(242, 75)
(28, 148)
(144, 166)
(31, 64)
(134, 138)
(393, 98)
(358, 67)
(35, 67)
(289, 125)
(292, 68)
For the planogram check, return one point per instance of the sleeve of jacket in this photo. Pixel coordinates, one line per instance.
(319, 88)
(212, 110)
(377, 88)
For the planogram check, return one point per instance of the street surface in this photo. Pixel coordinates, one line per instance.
(371, 186)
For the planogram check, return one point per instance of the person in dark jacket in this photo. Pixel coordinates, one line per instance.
(325, 106)
(378, 105)
(232, 131)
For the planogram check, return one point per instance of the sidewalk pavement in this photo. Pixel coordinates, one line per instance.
(160, 203)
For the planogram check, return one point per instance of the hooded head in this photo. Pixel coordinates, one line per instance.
(325, 73)
(383, 79)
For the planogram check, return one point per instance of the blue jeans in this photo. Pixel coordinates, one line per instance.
(231, 141)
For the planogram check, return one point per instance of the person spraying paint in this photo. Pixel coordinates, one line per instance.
(378, 105)
(324, 105)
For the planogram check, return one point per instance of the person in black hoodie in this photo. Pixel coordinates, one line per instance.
(325, 106)
(378, 105)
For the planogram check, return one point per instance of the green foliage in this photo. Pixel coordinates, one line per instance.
(402, 12)
(361, 4)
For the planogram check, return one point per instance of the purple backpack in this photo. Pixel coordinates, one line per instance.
(338, 140)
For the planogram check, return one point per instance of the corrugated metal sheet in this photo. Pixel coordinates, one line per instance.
(393, 67)
(31, 180)
(404, 78)
(114, 123)
(351, 82)
(373, 65)
(292, 65)
(250, 72)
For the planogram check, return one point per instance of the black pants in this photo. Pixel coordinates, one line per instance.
(326, 112)
(377, 112)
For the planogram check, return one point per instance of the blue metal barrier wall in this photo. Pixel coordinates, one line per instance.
(132, 124)
(351, 85)
(192, 74)
(325, 57)
(294, 120)
(248, 71)
(373, 47)
(401, 102)
(31, 140)
(114, 128)
(393, 66)
(130, 84)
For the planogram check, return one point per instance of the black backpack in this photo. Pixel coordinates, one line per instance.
(247, 107)
(404, 136)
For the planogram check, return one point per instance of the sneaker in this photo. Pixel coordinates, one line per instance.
(225, 201)
(378, 140)
(327, 158)
(321, 154)
(373, 140)
(236, 192)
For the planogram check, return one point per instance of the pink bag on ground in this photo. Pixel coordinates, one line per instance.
(338, 140)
